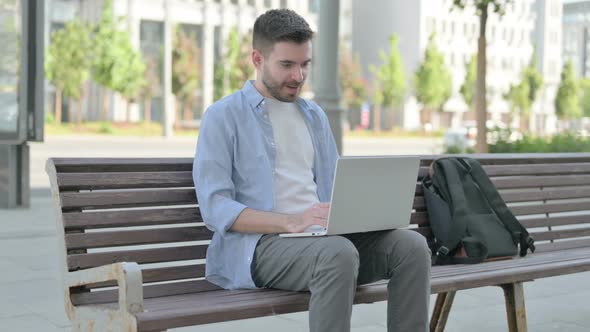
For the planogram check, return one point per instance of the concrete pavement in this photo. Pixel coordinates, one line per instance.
(30, 290)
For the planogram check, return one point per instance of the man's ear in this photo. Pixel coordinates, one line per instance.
(257, 58)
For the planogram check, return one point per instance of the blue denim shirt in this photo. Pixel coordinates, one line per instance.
(234, 168)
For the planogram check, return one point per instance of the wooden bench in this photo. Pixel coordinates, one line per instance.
(133, 243)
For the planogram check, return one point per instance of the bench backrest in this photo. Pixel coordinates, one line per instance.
(146, 211)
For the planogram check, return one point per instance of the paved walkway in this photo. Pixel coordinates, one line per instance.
(31, 295)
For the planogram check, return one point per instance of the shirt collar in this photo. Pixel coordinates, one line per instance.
(254, 98)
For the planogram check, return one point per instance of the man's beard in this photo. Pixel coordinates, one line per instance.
(274, 88)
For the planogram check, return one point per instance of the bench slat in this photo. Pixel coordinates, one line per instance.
(129, 218)
(131, 198)
(555, 221)
(155, 255)
(119, 180)
(526, 195)
(538, 169)
(529, 260)
(561, 234)
(136, 237)
(159, 274)
(93, 165)
(549, 208)
(541, 181)
(149, 291)
(562, 245)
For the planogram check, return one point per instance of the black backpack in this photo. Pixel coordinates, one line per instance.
(469, 219)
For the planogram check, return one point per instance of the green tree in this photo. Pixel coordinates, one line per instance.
(467, 89)
(533, 78)
(523, 95)
(128, 74)
(238, 66)
(482, 8)
(117, 65)
(67, 64)
(567, 100)
(218, 81)
(518, 99)
(152, 87)
(584, 85)
(104, 37)
(390, 81)
(433, 81)
(186, 73)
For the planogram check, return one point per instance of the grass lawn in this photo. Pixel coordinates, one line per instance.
(114, 128)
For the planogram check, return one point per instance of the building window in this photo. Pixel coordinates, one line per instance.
(235, 2)
(284, 4)
(267, 3)
(252, 3)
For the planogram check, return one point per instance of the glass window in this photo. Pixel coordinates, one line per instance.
(10, 31)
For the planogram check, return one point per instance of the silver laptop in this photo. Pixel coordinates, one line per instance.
(370, 194)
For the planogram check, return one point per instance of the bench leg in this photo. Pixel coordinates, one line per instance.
(515, 308)
(444, 301)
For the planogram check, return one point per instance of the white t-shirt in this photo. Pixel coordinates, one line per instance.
(295, 188)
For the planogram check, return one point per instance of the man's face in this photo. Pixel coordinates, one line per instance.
(283, 70)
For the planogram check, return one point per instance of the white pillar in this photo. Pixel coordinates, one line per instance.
(168, 116)
(208, 58)
(327, 91)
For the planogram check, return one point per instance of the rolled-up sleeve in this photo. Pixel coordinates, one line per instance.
(212, 173)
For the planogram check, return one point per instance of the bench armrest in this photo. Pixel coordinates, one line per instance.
(127, 275)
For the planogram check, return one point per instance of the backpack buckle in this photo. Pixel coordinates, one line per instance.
(444, 251)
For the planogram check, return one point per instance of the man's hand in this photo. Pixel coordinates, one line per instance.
(315, 215)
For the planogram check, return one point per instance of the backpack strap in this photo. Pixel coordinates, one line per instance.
(476, 251)
(519, 234)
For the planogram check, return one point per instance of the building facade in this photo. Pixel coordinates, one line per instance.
(209, 22)
(510, 45)
(576, 36)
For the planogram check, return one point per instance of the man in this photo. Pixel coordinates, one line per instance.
(264, 165)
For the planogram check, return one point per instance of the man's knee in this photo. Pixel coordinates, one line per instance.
(339, 255)
(412, 244)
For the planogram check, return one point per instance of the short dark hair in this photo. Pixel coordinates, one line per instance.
(278, 25)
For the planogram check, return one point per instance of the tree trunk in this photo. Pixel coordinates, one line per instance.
(377, 119)
(188, 113)
(480, 93)
(524, 124)
(58, 101)
(71, 111)
(177, 115)
(105, 104)
(79, 112)
(147, 110)
(127, 111)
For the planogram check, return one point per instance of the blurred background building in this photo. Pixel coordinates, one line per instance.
(511, 40)
(207, 22)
